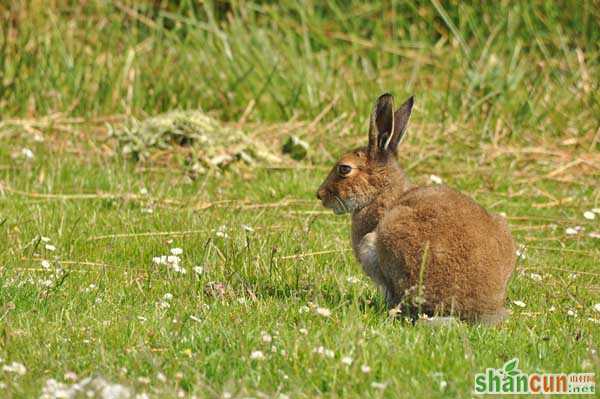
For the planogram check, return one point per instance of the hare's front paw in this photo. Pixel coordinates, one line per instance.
(368, 258)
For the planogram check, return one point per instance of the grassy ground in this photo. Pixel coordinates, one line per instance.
(507, 111)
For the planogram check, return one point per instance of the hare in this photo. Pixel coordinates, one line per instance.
(430, 249)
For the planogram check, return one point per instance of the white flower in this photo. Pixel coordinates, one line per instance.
(323, 311)
(435, 179)
(222, 232)
(45, 239)
(247, 228)
(45, 264)
(589, 215)
(46, 283)
(161, 377)
(257, 355)
(144, 191)
(266, 337)
(365, 369)
(521, 252)
(520, 304)
(178, 269)
(303, 309)
(378, 385)
(596, 210)
(353, 280)
(176, 251)
(198, 270)
(115, 391)
(552, 308)
(535, 277)
(54, 389)
(27, 153)
(571, 313)
(570, 231)
(173, 259)
(15, 367)
(324, 352)
(443, 384)
(303, 331)
(90, 288)
(168, 296)
(597, 307)
(50, 247)
(347, 360)
(70, 376)
(159, 260)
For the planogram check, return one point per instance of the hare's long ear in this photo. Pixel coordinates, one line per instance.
(401, 117)
(382, 124)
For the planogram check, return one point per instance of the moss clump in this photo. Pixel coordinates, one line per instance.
(206, 142)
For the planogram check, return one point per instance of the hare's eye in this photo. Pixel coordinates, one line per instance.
(343, 170)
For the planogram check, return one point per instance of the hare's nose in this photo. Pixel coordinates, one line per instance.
(321, 193)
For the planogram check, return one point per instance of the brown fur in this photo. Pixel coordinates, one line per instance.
(431, 248)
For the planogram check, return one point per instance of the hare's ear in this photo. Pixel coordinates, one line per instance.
(382, 124)
(401, 117)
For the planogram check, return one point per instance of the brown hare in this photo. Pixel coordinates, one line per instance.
(430, 249)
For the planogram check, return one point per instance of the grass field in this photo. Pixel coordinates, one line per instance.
(272, 302)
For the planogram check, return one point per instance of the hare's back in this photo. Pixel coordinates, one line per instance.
(443, 204)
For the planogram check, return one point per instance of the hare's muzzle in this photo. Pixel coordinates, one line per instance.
(320, 194)
(324, 195)
(331, 201)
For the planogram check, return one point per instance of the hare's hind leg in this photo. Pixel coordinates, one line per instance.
(391, 299)
(438, 321)
(493, 319)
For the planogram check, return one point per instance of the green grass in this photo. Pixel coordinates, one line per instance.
(507, 99)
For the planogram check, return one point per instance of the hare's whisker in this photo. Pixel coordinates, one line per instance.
(339, 200)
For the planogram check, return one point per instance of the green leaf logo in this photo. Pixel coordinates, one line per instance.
(511, 365)
(510, 368)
